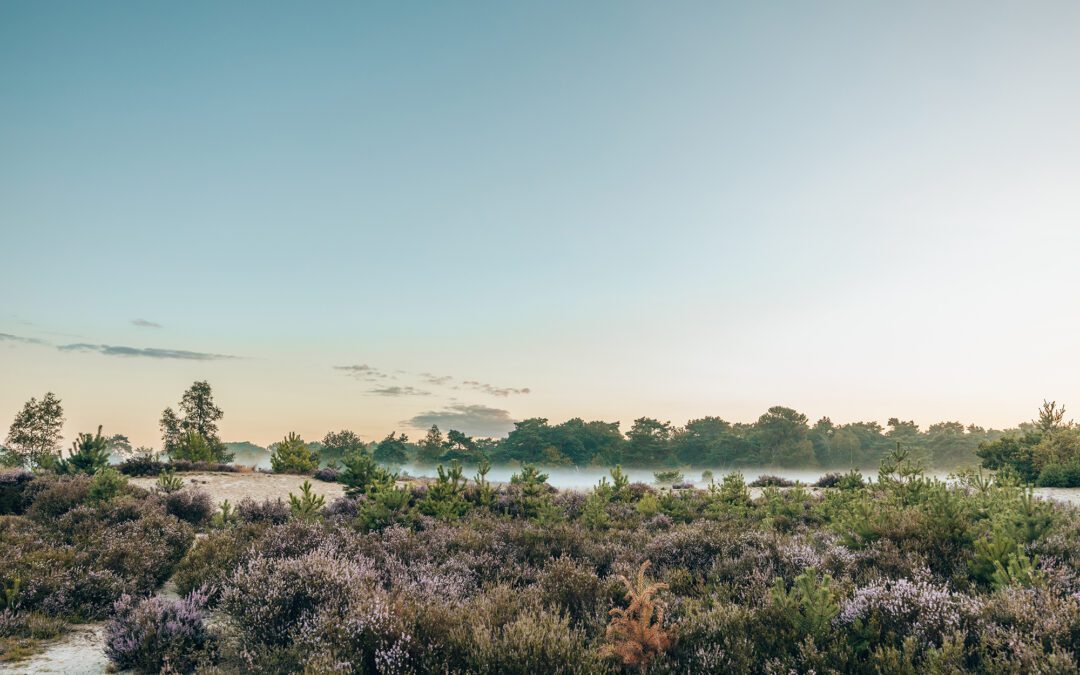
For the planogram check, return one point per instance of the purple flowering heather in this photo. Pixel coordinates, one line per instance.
(155, 634)
(908, 608)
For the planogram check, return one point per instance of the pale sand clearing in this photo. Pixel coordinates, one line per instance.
(80, 651)
(258, 486)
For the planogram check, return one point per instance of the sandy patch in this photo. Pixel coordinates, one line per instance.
(79, 651)
(258, 486)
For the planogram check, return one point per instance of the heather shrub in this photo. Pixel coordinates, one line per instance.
(19, 631)
(154, 635)
(268, 511)
(716, 637)
(78, 564)
(329, 474)
(202, 466)
(635, 491)
(274, 599)
(889, 611)
(539, 641)
(213, 559)
(570, 588)
(829, 480)
(767, 480)
(192, 506)
(141, 465)
(13, 484)
(53, 496)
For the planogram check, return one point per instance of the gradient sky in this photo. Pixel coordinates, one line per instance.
(671, 209)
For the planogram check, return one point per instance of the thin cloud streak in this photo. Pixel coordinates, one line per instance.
(363, 372)
(399, 391)
(8, 337)
(145, 352)
(144, 323)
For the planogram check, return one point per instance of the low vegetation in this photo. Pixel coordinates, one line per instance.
(903, 574)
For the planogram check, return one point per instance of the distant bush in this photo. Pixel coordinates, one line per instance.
(829, 480)
(203, 466)
(141, 465)
(328, 474)
(1060, 476)
(154, 635)
(668, 477)
(844, 481)
(767, 480)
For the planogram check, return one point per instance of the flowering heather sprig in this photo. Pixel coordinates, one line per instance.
(154, 634)
(10, 477)
(273, 598)
(908, 608)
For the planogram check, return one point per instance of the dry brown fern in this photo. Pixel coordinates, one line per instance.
(633, 635)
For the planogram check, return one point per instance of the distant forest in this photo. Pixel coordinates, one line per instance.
(782, 437)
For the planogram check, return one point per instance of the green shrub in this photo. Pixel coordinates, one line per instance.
(168, 482)
(107, 484)
(1060, 475)
(668, 477)
(89, 455)
(809, 606)
(308, 506)
(363, 474)
(194, 447)
(445, 497)
(292, 455)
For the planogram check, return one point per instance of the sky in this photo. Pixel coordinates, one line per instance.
(379, 216)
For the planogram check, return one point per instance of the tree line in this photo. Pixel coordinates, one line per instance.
(781, 437)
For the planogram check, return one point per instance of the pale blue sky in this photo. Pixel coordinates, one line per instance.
(672, 209)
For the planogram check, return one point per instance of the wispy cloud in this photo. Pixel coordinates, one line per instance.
(143, 323)
(8, 337)
(145, 352)
(399, 391)
(475, 420)
(437, 380)
(495, 391)
(363, 372)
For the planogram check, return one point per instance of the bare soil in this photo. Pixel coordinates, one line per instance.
(257, 486)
